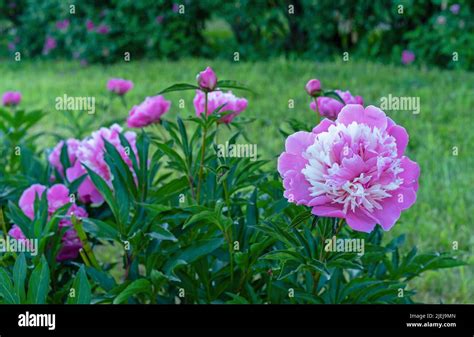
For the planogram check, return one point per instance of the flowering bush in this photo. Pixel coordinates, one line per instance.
(193, 226)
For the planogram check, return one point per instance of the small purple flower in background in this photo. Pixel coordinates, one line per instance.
(11, 46)
(207, 79)
(330, 107)
(175, 7)
(455, 8)
(90, 25)
(159, 19)
(49, 44)
(148, 112)
(229, 102)
(11, 98)
(103, 29)
(313, 87)
(63, 24)
(353, 168)
(408, 57)
(441, 20)
(119, 86)
(83, 63)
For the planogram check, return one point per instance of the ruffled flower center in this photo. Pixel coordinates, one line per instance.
(356, 166)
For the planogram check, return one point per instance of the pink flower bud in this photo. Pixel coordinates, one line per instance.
(207, 79)
(313, 87)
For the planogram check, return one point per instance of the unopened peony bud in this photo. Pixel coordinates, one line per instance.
(207, 79)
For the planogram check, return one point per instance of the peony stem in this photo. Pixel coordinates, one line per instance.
(203, 150)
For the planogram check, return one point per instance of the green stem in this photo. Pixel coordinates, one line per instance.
(203, 151)
(2, 222)
(87, 250)
(323, 254)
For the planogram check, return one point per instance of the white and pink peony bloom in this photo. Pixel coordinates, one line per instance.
(352, 168)
(229, 102)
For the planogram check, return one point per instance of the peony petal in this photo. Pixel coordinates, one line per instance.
(371, 116)
(290, 162)
(323, 126)
(410, 174)
(298, 142)
(360, 221)
(401, 136)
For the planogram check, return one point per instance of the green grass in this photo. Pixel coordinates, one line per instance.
(444, 209)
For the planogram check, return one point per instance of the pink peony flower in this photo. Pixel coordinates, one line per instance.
(408, 57)
(148, 112)
(55, 156)
(207, 79)
(353, 168)
(215, 99)
(313, 87)
(119, 86)
(57, 196)
(330, 107)
(90, 152)
(11, 98)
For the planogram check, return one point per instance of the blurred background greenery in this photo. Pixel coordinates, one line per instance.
(102, 31)
(75, 54)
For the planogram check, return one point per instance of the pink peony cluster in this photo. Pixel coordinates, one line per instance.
(148, 112)
(11, 98)
(229, 102)
(330, 107)
(119, 86)
(352, 168)
(90, 152)
(58, 196)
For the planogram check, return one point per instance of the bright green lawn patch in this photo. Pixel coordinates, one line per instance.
(444, 210)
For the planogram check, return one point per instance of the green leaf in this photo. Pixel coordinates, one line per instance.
(160, 233)
(136, 287)
(104, 280)
(334, 95)
(82, 289)
(193, 252)
(19, 275)
(100, 229)
(178, 87)
(38, 285)
(105, 191)
(19, 218)
(6, 288)
(228, 84)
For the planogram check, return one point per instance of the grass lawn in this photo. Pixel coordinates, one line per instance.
(444, 211)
